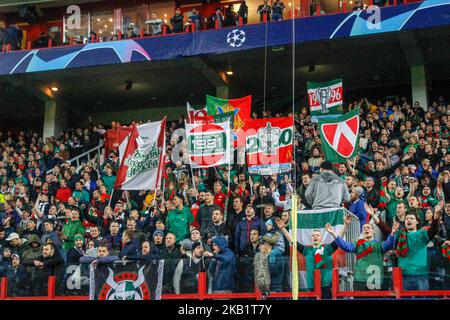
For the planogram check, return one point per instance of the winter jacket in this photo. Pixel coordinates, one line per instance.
(71, 228)
(327, 190)
(222, 267)
(185, 279)
(74, 255)
(53, 266)
(204, 216)
(52, 236)
(178, 222)
(357, 208)
(22, 248)
(32, 254)
(233, 220)
(242, 235)
(213, 230)
(171, 259)
(131, 248)
(177, 23)
(18, 282)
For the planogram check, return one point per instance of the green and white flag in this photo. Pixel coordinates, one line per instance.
(325, 98)
(310, 220)
(208, 144)
(340, 136)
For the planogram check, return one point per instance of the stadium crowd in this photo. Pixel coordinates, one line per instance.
(54, 215)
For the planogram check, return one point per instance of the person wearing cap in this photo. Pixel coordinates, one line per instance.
(19, 245)
(18, 278)
(357, 205)
(326, 190)
(179, 218)
(185, 278)
(158, 243)
(75, 253)
(5, 261)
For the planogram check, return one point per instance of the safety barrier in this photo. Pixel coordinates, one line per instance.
(97, 151)
(200, 295)
(397, 291)
(292, 13)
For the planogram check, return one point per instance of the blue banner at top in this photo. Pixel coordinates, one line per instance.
(430, 13)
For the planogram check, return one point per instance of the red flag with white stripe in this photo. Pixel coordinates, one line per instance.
(143, 161)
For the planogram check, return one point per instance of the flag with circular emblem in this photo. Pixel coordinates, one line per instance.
(208, 144)
(340, 136)
(269, 145)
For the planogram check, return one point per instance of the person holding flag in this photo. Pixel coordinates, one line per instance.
(369, 254)
(317, 256)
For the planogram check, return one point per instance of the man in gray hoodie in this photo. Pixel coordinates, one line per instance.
(326, 190)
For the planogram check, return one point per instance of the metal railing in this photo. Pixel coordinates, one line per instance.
(94, 155)
(397, 292)
(200, 295)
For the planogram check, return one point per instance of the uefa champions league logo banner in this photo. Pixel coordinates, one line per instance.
(424, 14)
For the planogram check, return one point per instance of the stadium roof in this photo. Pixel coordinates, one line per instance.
(368, 62)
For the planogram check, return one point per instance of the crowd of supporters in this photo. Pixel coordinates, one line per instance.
(54, 215)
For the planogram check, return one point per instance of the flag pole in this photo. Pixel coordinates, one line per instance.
(110, 199)
(294, 213)
(294, 216)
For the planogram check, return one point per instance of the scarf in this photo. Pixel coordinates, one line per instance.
(446, 252)
(402, 245)
(319, 263)
(363, 248)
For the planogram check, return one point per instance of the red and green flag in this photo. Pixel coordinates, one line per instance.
(325, 98)
(340, 136)
(269, 144)
(240, 107)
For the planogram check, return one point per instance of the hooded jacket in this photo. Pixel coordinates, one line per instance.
(185, 278)
(357, 208)
(222, 267)
(71, 228)
(327, 190)
(32, 253)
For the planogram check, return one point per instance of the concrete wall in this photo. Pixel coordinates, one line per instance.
(128, 116)
(55, 118)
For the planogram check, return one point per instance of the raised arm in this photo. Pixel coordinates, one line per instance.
(390, 241)
(434, 230)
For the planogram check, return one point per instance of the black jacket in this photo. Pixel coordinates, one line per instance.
(177, 23)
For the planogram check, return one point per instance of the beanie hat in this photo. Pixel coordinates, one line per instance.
(358, 190)
(196, 244)
(195, 224)
(158, 232)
